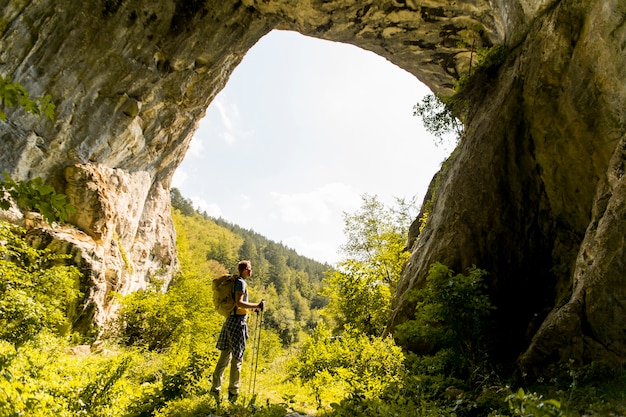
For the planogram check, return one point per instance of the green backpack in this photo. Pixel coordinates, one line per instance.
(224, 294)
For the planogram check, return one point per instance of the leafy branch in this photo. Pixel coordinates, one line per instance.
(35, 195)
(438, 118)
(443, 116)
(13, 94)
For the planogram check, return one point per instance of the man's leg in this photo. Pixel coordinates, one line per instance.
(222, 362)
(235, 373)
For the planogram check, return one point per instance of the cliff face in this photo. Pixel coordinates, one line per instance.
(534, 195)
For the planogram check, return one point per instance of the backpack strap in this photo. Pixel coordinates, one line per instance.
(234, 293)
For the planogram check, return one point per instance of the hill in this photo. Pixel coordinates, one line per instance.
(289, 282)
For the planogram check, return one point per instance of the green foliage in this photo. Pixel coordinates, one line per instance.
(185, 206)
(13, 94)
(40, 379)
(533, 405)
(444, 116)
(99, 395)
(206, 242)
(157, 320)
(361, 364)
(358, 297)
(360, 289)
(35, 195)
(489, 61)
(438, 118)
(37, 290)
(176, 380)
(21, 381)
(148, 318)
(451, 318)
(357, 374)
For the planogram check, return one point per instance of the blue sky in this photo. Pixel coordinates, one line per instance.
(302, 130)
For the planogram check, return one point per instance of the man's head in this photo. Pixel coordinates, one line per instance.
(245, 269)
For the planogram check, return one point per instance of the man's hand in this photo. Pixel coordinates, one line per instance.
(260, 306)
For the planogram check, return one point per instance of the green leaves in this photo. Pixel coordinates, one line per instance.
(361, 287)
(36, 290)
(451, 313)
(438, 118)
(15, 95)
(533, 405)
(367, 365)
(37, 196)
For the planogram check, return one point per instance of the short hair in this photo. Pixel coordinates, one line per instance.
(243, 265)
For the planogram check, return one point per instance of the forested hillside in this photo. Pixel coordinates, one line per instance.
(157, 357)
(290, 283)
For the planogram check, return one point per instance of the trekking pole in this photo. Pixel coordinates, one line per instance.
(256, 329)
(258, 346)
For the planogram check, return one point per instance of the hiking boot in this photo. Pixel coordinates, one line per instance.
(232, 397)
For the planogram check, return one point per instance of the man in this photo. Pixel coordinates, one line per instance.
(232, 339)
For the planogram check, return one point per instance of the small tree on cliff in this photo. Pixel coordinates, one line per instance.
(438, 118)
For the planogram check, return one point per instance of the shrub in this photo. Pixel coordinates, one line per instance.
(451, 318)
(367, 365)
(36, 291)
(437, 116)
(533, 405)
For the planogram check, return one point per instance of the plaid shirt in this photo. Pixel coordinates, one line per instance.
(234, 335)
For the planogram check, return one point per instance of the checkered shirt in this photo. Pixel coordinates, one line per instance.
(234, 335)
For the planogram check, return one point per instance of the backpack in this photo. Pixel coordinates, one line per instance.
(224, 294)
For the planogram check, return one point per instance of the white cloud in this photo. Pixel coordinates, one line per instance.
(245, 202)
(228, 137)
(317, 206)
(179, 178)
(196, 146)
(201, 204)
(230, 117)
(227, 114)
(321, 251)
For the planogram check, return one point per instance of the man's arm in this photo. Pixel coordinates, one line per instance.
(244, 304)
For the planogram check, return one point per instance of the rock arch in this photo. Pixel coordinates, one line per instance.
(533, 195)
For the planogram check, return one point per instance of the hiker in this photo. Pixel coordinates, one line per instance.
(232, 339)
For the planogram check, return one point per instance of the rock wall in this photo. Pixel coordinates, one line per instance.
(131, 80)
(533, 194)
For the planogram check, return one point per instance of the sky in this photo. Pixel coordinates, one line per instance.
(303, 129)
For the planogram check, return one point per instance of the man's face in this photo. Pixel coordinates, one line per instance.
(247, 272)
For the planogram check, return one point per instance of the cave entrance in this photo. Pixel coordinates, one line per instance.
(303, 128)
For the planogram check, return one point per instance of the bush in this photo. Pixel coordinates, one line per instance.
(451, 318)
(156, 320)
(533, 405)
(437, 116)
(40, 379)
(37, 290)
(361, 364)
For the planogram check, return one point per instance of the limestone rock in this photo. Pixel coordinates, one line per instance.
(532, 194)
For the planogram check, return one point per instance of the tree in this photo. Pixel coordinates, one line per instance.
(361, 287)
(181, 203)
(438, 119)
